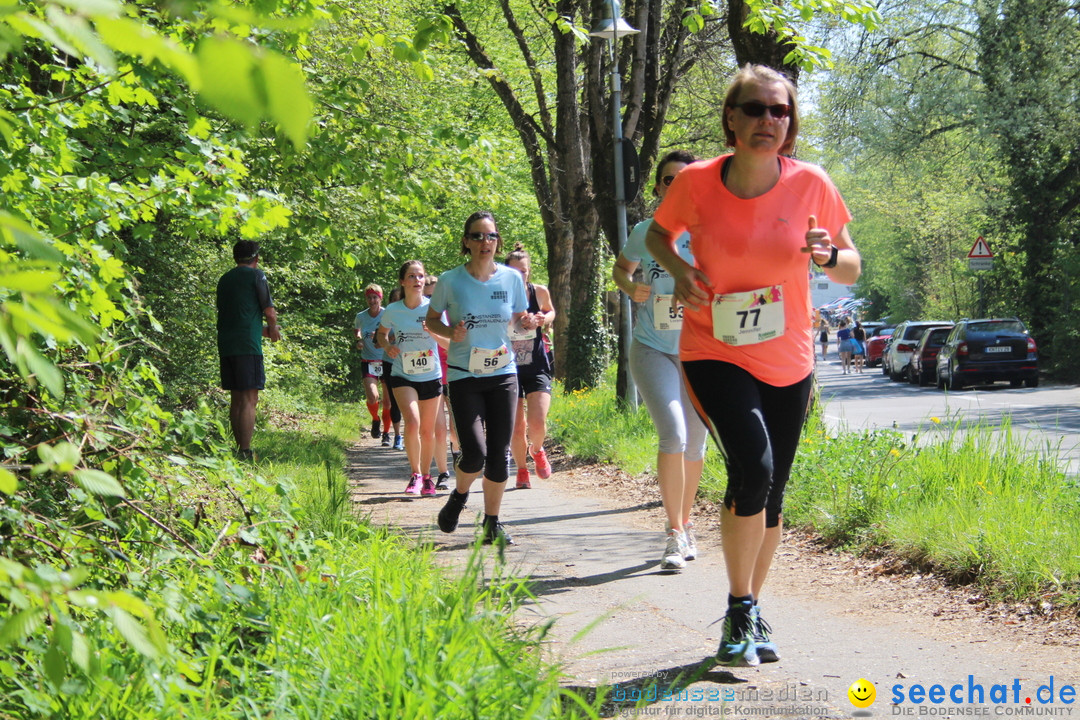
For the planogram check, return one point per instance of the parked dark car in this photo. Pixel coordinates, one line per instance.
(894, 362)
(922, 368)
(872, 326)
(984, 351)
(875, 345)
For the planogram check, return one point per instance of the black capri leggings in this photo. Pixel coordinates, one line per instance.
(395, 411)
(484, 412)
(757, 428)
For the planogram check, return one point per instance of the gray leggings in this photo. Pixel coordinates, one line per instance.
(660, 381)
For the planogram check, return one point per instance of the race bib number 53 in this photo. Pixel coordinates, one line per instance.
(750, 317)
(666, 317)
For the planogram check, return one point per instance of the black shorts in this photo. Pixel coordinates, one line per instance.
(529, 384)
(243, 372)
(425, 390)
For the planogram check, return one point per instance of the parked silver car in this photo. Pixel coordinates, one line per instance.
(896, 360)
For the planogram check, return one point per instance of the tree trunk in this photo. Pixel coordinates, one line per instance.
(757, 49)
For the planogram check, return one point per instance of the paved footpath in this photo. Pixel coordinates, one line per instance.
(594, 565)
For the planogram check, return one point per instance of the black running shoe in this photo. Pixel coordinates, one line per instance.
(375, 429)
(737, 648)
(766, 648)
(440, 483)
(495, 532)
(386, 439)
(451, 511)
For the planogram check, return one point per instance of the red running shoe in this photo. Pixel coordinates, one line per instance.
(543, 467)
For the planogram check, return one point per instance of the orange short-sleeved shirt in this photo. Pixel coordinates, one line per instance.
(745, 245)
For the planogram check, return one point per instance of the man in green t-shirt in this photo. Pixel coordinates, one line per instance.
(243, 299)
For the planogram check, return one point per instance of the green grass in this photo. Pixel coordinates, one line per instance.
(974, 504)
(294, 608)
(592, 425)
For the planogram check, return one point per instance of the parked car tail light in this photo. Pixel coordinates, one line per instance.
(1032, 347)
(904, 347)
(961, 349)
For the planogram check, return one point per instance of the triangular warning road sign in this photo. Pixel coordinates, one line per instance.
(981, 249)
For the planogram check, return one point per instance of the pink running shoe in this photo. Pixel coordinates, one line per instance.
(413, 488)
(523, 481)
(543, 467)
(427, 486)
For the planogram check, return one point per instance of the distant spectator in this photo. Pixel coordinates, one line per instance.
(844, 345)
(823, 338)
(858, 340)
(243, 300)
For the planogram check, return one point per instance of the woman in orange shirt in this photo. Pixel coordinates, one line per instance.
(756, 218)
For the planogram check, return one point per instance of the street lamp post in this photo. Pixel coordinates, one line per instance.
(611, 29)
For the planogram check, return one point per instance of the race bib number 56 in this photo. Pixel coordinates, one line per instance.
(484, 362)
(750, 317)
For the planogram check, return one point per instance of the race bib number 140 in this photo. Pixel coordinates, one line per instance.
(418, 362)
(750, 317)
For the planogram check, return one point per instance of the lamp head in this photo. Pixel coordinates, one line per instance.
(612, 26)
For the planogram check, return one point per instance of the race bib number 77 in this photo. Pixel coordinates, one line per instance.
(748, 318)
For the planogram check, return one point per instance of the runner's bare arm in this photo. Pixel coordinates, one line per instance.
(691, 285)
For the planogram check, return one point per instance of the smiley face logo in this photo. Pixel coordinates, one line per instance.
(862, 693)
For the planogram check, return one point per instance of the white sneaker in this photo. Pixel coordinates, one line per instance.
(689, 542)
(673, 552)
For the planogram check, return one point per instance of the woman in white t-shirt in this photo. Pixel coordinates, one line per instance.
(654, 364)
(416, 376)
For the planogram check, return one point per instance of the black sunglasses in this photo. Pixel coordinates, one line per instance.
(482, 236)
(753, 108)
(667, 180)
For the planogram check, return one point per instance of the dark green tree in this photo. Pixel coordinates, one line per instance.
(1027, 61)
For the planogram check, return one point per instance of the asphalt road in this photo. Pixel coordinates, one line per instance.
(1046, 418)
